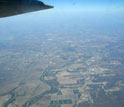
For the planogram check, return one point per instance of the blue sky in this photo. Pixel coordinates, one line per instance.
(115, 4)
(85, 1)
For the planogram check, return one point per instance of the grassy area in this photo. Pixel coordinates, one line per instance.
(75, 91)
(57, 103)
(13, 95)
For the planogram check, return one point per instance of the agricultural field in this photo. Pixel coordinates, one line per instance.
(76, 63)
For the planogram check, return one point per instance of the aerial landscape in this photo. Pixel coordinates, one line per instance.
(62, 58)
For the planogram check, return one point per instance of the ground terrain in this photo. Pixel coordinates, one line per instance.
(66, 67)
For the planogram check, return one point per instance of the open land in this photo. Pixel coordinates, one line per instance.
(64, 69)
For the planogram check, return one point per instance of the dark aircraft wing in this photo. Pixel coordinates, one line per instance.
(15, 7)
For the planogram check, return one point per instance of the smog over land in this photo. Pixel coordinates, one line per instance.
(68, 56)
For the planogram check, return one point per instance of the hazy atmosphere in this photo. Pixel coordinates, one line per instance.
(69, 56)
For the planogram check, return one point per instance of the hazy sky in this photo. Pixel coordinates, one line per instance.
(86, 1)
(114, 4)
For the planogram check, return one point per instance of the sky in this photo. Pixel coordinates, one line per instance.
(86, 1)
(89, 4)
